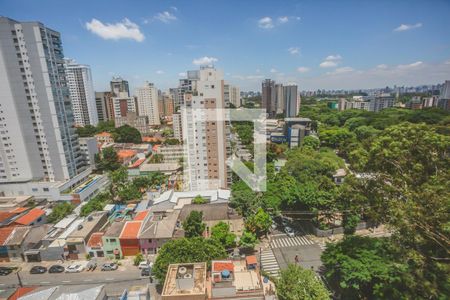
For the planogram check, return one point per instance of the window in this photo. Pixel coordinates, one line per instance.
(112, 240)
(45, 189)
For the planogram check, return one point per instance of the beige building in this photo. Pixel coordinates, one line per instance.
(186, 282)
(133, 120)
(147, 103)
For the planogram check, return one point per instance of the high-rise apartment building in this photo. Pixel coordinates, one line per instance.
(81, 88)
(177, 126)
(232, 95)
(147, 103)
(119, 87)
(381, 102)
(204, 131)
(105, 106)
(279, 99)
(269, 97)
(37, 134)
(290, 94)
(166, 106)
(444, 97)
(123, 105)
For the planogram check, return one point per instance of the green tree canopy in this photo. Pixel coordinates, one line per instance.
(186, 250)
(193, 225)
(127, 134)
(248, 240)
(298, 283)
(258, 223)
(199, 200)
(59, 211)
(107, 160)
(221, 232)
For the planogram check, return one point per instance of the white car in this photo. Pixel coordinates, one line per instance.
(145, 265)
(75, 268)
(289, 231)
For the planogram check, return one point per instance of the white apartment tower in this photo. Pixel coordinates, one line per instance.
(147, 103)
(81, 87)
(232, 95)
(204, 131)
(37, 136)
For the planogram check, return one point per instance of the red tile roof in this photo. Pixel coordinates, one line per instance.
(19, 210)
(95, 241)
(5, 215)
(220, 266)
(104, 133)
(31, 216)
(131, 230)
(141, 215)
(125, 153)
(137, 163)
(4, 234)
(251, 260)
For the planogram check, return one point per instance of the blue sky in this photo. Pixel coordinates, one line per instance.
(316, 44)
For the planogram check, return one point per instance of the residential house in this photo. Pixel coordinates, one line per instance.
(104, 137)
(67, 292)
(4, 235)
(129, 241)
(35, 216)
(157, 230)
(185, 281)
(15, 241)
(94, 246)
(110, 240)
(77, 239)
(34, 241)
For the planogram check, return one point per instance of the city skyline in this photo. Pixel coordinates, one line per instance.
(297, 42)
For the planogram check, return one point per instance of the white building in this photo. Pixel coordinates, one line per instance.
(37, 134)
(232, 95)
(123, 104)
(147, 102)
(204, 131)
(177, 126)
(88, 146)
(82, 95)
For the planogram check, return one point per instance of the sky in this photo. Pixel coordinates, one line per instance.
(317, 44)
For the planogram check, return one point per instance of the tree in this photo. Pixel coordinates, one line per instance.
(336, 137)
(96, 203)
(119, 182)
(107, 160)
(248, 240)
(86, 131)
(198, 200)
(311, 141)
(298, 283)
(258, 223)
(59, 211)
(186, 250)
(171, 142)
(156, 158)
(138, 259)
(193, 225)
(365, 268)
(127, 134)
(221, 233)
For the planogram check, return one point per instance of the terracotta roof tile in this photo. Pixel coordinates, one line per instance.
(220, 266)
(4, 234)
(95, 241)
(141, 215)
(251, 260)
(5, 215)
(31, 216)
(131, 230)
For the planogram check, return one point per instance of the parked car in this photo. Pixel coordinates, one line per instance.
(56, 269)
(75, 268)
(145, 265)
(5, 271)
(289, 231)
(109, 267)
(145, 272)
(91, 266)
(38, 270)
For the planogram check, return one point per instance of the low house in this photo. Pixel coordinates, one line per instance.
(67, 292)
(214, 213)
(35, 216)
(234, 280)
(77, 239)
(185, 281)
(15, 243)
(34, 241)
(94, 246)
(4, 235)
(104, 137)
(129, 241)
(339, 176)
(157, 230)
(110, 240)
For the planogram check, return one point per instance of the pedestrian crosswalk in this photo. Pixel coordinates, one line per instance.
(269, 263)
(291, 242)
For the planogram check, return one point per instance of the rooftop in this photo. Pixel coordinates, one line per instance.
(185, 279)
(131, 230)
(31, 216)
(4, 234)
(87, 226)
(95, 241)
(140, 216)
(17, 236)
(115, 229)
(160, 227)
(211, 211)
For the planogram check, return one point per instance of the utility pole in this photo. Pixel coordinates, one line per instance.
(18, 277)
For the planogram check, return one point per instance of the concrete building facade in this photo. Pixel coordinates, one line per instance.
(147, 103)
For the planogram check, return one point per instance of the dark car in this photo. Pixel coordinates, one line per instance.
(109, 267)
(56, 269)
(145, 272)
(38, 270)
(4, 271)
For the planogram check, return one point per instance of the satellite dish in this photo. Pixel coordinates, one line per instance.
(182, 270)
(187, 276)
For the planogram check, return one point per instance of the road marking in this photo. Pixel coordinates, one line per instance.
(269, 263)
(109, 279)
(87, 280)
(66, 281)
(45, 282)
(291, 242)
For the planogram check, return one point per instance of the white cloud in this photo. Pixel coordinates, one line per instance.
(341, 71)
(294, 50)
(284, 19)
(120, 30)
(174, 8)
(382, 67)
(182, 74)
(165, 17)
(447, 62)
(328, 64)
(410, 66)
(205, 60)
(248, 77)
(331, 61)
(302, 69)
(265, 23)
(405, 27)
(273, 70)
(159, 72)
